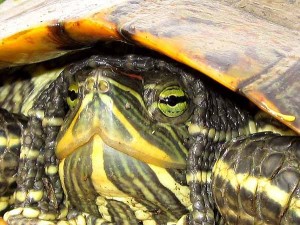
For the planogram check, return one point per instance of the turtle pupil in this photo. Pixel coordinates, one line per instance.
(173, 100)
(72, 94)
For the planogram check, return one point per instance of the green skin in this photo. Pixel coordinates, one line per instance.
(187, 117)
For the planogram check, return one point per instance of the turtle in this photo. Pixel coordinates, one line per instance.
(149, 112)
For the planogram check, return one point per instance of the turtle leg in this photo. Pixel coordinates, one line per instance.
(11, 127)
(39, 194)
(257, 180)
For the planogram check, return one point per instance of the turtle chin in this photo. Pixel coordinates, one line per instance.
(90, 180)
(103, 174)
(98, 170)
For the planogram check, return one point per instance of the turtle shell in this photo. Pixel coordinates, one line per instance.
(250, 48)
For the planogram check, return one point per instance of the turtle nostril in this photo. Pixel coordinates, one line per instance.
(90, 82)
(103, 86)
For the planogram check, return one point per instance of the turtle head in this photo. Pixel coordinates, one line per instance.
(140, 113)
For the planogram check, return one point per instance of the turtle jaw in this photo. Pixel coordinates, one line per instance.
(104, 115)
(91, 166)
(102, 175)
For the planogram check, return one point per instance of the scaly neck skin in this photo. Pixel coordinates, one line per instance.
(264, 122)
(216, 120)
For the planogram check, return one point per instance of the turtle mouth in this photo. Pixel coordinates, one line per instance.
(99, 116)
(148, 154)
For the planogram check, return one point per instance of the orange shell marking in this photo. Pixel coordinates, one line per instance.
(49, 40)
(171, 48)
(27, 46)
(2, 222)
(92, 29)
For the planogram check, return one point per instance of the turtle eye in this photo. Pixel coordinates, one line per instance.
(173, 101)
(72, 98)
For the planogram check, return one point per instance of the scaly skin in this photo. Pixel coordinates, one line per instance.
(258, 178)
(11, 129)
